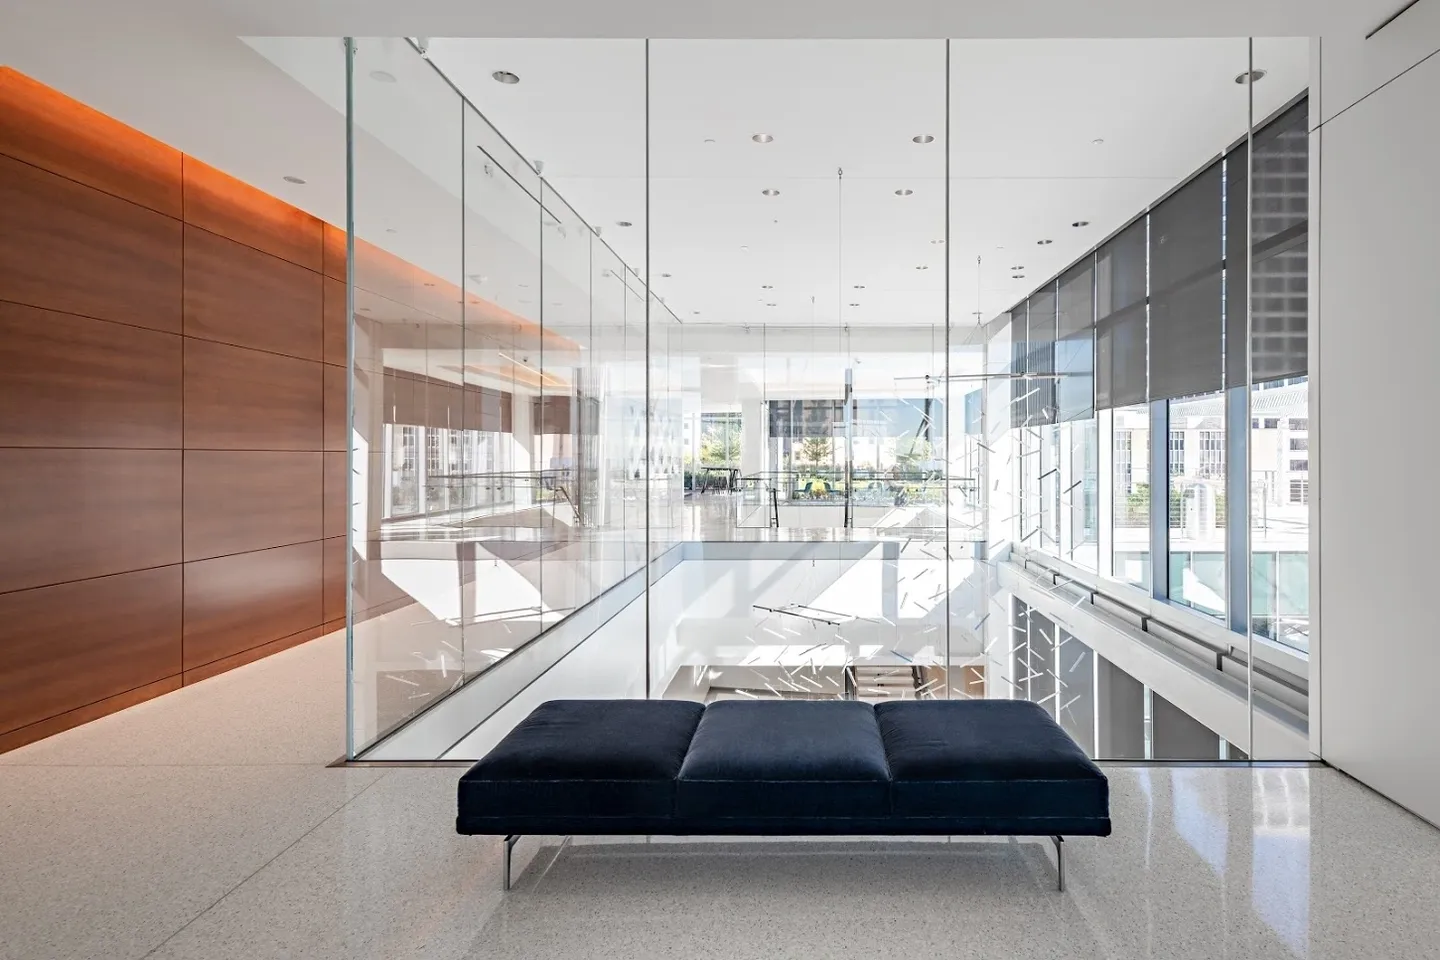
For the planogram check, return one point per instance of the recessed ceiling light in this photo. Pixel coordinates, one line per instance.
(1044, 242)
(623, 223)
(709, 139)
(504, 76)
(769, 304)
(383, 76)
(745, 248)
(429, 284)
(694, 313)
(858, 286)
(391, 230)
(478, 278)
(770, 192)
(923, 138)
(767, 286)
(904, 192)
(1017, 276)
(854, 304)
(922, 267)
(1250, 76)
(1098, 141)
(1081, 223)
(523, 286)
(762, 138)
(294, 179)
(937, 241)
(1021, 267)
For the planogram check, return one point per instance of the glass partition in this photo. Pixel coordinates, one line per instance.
(841, 377)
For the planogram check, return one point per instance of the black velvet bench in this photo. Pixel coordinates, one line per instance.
(786, 768)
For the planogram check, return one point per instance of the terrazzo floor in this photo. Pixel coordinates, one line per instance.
(206, 825)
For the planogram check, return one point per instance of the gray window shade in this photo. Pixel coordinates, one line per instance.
(1280, 290)
(1019, 364)
(1120, 329)
(1187, 336)
(1075, 343)
(1041, 325)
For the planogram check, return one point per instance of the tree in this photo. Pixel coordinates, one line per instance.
(720, 445)
(815, 450)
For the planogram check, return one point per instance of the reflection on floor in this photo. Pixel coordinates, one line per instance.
(204, 825)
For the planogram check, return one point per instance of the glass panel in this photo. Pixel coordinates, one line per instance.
(1196, 503)
(408, 631)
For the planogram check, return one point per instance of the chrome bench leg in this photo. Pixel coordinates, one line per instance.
(1060, 860)
(509, 846)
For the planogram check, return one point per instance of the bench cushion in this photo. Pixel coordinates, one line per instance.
(585, 758)
(773, 759)
(993, 759)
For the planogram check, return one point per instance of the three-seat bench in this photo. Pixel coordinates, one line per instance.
(785, 768)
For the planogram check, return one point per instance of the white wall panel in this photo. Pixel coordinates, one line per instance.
(1380, 329)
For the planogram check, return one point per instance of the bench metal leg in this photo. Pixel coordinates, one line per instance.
(1060, 860)
(509, 845)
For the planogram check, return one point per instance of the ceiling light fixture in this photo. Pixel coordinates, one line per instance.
(1250, 76)
(1044, 243)
(294, 179)
(769, 304)
(429, 284)
(922, 267)
(383, 76)
(767, 286)
(1081, 223)
(770, 192)
(504, 76)
(694, 313)
(1017, 276)
(762, 138)
(858, 286)
(903, 192)
(1098, 141)
(391, 230)
(1021, 267)
(623, 223)
(854, 304)
(923, 138)
(937, 241)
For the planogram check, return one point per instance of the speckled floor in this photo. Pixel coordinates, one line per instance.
(204, 825)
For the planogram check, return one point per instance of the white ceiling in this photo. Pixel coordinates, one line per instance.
(794, 18)
(1022, 118)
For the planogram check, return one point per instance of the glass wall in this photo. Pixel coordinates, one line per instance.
(693, 310)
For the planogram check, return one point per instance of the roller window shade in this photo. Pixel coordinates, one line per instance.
(1075, 343)
(1120, 329)
(1041, 386)
(1279, 257)
(1187, 334)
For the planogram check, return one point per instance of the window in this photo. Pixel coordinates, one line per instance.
(1177, 453)
(1212, 454)
(1280, 527)
(1299, 443)
(1130, 514)
(1197, 507)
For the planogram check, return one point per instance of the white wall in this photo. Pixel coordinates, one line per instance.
(1378, 337)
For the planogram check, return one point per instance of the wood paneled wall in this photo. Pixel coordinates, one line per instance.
(172, 427)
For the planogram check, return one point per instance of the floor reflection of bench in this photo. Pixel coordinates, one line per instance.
(786, 768)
